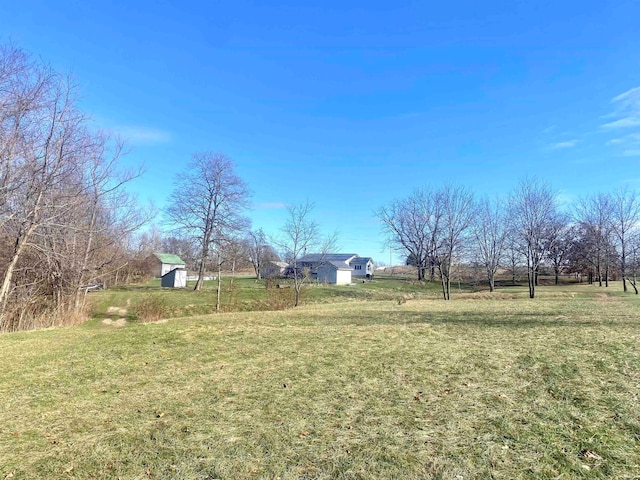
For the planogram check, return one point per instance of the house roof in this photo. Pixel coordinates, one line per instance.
(169, 258)
(337, 265)
(361, 260)
(327, 257)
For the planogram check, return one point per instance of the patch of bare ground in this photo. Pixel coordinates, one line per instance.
(120, 322)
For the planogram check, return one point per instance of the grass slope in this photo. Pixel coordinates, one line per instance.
(244, 293)
(483, 386)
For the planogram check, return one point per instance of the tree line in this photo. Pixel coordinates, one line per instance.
(438, 229)
(64, 213)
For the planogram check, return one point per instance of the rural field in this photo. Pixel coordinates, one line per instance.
(352, 385)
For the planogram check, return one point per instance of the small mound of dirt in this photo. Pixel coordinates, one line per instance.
(116, 311)
(121, 322)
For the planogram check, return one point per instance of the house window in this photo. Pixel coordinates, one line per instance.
(358, 267)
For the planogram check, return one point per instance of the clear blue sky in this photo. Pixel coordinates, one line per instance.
(352, 104)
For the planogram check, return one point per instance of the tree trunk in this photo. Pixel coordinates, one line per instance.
(219, 285)
(298, 285)
(531, 278)
(444, 289)
(623, 266)
(492, 281)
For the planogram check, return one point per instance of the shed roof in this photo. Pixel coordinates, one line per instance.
(169, 258)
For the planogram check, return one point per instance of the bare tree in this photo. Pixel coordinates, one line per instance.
(259, 251)
(634, 260)
(456, 204)
(207, 203)
(300, 233)
(489, 229)
(514, 257)
(625, 217)
(412, 225)
(532, 209)
(559, 240)
(595, 215)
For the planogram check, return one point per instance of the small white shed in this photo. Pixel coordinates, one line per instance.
(338, 273)
(158, 264)
(176, 278)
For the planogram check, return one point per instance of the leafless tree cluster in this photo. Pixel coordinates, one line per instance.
(63, 210)
(436, 229)
(432, 226)
(607, 237)
(259, 251)
(207, 205)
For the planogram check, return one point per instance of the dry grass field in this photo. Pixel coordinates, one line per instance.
(484, 386)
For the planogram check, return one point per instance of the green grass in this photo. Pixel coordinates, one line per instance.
(244, 293)
(483, 386)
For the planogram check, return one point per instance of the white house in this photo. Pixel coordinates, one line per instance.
(338, 273)
(362, 267)
(322, 266)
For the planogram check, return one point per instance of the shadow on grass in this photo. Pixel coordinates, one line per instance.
(512, 320)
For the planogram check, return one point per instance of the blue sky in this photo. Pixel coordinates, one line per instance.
(352, 104)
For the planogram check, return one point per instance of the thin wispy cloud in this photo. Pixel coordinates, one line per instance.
(630, 96)
(631, 153)
(626, 110)
(140, 135)
(627, 122)
(629, 142)
(565, 144)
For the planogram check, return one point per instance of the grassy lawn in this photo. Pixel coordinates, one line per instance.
(483, 386)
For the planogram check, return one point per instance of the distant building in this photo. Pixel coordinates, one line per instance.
(362, 267)
(159, 264)
(331, 267)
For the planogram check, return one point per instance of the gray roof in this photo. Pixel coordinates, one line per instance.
(361, 260)
(327, 257)
(337, 265)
